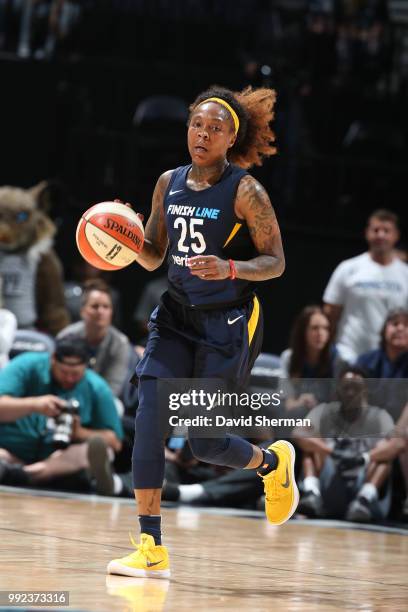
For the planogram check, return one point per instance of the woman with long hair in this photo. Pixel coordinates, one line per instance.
(311, 355)
(220, 232)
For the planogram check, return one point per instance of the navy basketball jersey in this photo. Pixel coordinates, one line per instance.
(204, 223)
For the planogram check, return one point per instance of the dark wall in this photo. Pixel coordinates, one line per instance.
(28, 118)
(310, 260)
(72, 122)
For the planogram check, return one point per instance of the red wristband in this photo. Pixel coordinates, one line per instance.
(233, 270)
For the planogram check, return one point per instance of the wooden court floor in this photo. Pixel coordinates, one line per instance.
(218, 562)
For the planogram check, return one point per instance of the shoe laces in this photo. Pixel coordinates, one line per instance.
(143, 549)
(271, 488)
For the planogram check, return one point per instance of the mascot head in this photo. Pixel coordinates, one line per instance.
(22, 221)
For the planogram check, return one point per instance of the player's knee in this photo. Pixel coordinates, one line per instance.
(148, 448)
(210, 450)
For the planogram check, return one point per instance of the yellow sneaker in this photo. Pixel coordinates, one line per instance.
(281, 492)
(148, 561)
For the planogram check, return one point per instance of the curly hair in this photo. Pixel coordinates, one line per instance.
(254, 108)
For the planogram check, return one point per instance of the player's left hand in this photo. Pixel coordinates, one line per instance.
(209, 267)
(129, 205)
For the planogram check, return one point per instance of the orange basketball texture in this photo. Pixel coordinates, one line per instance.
(109, 235)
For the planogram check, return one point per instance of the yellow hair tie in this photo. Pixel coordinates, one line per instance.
(228, 107)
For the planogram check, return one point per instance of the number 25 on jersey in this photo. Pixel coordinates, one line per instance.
(197, 242)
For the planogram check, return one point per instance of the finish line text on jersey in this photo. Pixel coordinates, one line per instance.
(193, 211)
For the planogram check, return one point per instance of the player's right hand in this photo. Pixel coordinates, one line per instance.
(48, 405)
(141, 217)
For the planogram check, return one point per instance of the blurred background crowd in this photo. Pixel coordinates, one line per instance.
(95, 103)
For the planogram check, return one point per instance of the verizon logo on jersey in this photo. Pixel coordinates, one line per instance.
(180, 261)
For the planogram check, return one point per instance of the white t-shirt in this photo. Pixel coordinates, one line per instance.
(8, 326)
(367, 291)
(358, 436)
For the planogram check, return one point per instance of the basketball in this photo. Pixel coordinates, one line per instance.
(109, 235)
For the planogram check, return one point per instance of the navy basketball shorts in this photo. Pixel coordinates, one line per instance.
(187, 342)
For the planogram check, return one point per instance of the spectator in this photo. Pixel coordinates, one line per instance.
(396, 445)
(391, 359)
(182, 468)
(81, 273)
(401, 251)
(311, 355)
(8, 326)
(387, 366)
(108, 347)
(362, 37)
(64, 16)
(339, 478)
(150, 298)
(239, 488)
(363, 289)
(34, 389)
(44, 23)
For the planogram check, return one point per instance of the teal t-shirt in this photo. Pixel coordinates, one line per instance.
(29, 375)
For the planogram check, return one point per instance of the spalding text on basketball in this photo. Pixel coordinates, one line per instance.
(118, 227)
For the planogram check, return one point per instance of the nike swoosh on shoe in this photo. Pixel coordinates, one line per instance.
(286, 484)
(149, 564)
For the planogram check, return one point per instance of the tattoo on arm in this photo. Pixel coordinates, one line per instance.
(262, 223)
(264, 230)
(152, 233)
(156, 233)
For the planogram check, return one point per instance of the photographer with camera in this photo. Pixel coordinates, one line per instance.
(56, 417)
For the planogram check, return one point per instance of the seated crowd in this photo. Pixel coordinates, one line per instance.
(67, 414)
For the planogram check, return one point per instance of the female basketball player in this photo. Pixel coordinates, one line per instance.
(221, 233)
